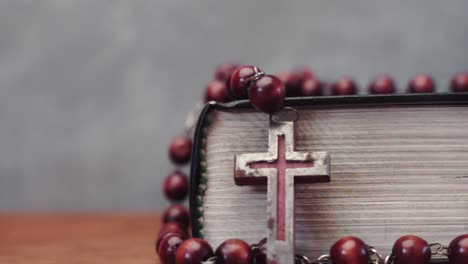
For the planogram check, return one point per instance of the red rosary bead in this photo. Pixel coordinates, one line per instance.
(216, 91)
(168, 247)
(239, 81)
(176, 186)
(224, 71)
(344, 86)
(460, 82)
(292, 83)
(180, 150)
(304, 72)
(193, 250)
(411, 250)
(421, 83)
(349, 250)
(383, 84)
(168, 228)
(311, 87)
(267, 94)
(177, 213)
(234, 251)
(458, 250)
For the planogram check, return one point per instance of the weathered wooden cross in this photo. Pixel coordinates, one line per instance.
(281, 167)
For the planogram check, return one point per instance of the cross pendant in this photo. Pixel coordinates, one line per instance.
(281, 168)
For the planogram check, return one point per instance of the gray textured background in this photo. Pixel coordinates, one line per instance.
(92, 91)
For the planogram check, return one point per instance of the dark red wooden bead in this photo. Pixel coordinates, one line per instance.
(344, 86)
(223, 71)
(176, 186)
(267, 94)
(171, 227)
(234, 251)
(228, 83)
(177, 213)
(460, 82)
(304, 72)
(421, 83)
(411, 250)
(383, 84)
(311, 87)
(180, 150)
(349, 250)
(239, 81)
(193, 250)
(163, 236)
(168, 247)
(216, 91)
(260, 255)
(458, 250)
(292, 83)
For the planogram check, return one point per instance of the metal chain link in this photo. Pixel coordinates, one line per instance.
(438, 249)
(211, 260)
(376, 257)
(258, 74)
(287, 114)
(323, 259)
(389, 259)
(301, 259)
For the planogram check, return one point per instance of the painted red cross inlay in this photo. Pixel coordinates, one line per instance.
(281, 164)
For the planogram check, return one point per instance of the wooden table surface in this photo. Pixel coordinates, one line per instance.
(79, 238)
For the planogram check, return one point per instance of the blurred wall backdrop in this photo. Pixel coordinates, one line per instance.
(92, 91)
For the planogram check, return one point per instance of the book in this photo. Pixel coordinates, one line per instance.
(399, 166)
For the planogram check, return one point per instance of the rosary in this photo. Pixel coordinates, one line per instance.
(280, 169)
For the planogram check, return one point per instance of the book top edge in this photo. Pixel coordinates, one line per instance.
(355, 100)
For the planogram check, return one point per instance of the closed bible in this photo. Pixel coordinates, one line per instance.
(398, 165)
